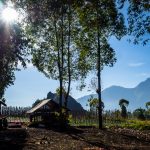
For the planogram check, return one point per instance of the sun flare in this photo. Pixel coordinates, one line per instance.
(9, 14)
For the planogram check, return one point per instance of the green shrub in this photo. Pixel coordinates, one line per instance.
(133, 124)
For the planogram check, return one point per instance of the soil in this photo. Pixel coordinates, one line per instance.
(74, 139)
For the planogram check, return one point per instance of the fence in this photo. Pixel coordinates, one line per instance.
(77, 118)
(16, 113)
(91, 118)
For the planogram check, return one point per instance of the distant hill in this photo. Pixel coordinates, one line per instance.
(137, 96)
(73, 105)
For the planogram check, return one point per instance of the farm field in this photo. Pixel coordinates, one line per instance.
(78, 121)
(74, 139)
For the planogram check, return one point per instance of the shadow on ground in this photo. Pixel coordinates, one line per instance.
(72, 138)
(12, 139)
(84, 134)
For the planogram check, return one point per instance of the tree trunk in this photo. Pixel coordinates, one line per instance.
(68, 51)
(62, 57)
(99, 86)
(59, 66)
(99, 73)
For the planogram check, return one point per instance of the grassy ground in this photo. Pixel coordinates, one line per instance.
(112, 122)
(132, 124)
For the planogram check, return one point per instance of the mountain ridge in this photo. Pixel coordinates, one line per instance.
(136, 96)
(73, 105)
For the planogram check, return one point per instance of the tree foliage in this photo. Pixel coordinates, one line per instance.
(138, 19)
(123, 104)
(94, 104)
(52, 27)
(98, 17)
(139, 113)
(147, 105)
(13, 46)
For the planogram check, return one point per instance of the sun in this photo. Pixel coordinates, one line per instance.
(9, 14)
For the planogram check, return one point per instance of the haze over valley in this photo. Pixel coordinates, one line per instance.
(136, 96)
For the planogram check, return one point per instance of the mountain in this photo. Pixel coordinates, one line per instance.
(136, 96)
(73, 105)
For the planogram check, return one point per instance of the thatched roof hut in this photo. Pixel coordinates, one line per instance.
(44, 110)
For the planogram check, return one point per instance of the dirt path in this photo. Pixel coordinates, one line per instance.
(74, 139)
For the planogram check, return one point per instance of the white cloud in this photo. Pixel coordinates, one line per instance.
(139, 64)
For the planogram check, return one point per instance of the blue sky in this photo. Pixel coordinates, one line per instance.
(131, 68)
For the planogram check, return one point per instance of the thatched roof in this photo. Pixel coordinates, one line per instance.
(39, 105)
(50, 102)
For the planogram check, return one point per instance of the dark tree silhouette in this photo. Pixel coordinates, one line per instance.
(139, 113)
(123, 104)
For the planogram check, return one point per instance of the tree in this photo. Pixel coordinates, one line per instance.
(13, 49)
(66, 34)
(52, 27)
(93, 103)
(99, 20)
(138, 19)
(123, 104)
(139, 113)
(147, 105)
